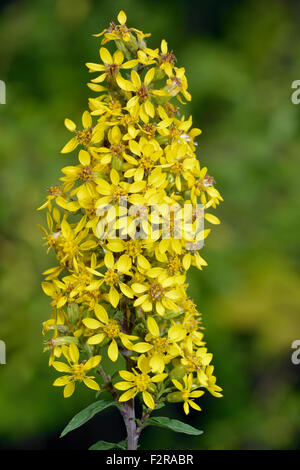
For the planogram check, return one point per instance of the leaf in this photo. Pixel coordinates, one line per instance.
(86, 414)
(103, 445)
(174, 425)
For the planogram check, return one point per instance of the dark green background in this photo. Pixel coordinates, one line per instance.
(240, 58)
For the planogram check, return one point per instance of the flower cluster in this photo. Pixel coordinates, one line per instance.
(119, 288)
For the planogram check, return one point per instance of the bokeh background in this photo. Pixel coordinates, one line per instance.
(241, 58)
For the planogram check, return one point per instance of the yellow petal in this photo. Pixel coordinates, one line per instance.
(212, 219)
(62, 381)
(91, 323)
(101, 313)
(142, 347)
(122, 18)
(148, 400)
(152, 327)
(92, 362)
(96, 339)
(105, 56)
(123, 264)
(70, 146)
(113, 351)
(86, 120)
(123, 385)
(90, 383)
(70, 125)
(73, 353)
(69, 390)
(113, 297)
(143, 262)
(126, 290)
(61, 366)
(126, 375)
(138, 288)
(157, 363)
(109, 260)
(84, 157)
(128, 395)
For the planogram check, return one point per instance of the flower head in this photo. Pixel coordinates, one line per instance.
(139, 381)
(126, 223)
(77, 371)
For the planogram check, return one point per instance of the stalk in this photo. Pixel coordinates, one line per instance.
(130, 423)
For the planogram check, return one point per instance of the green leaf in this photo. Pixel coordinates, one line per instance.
(174, 425)
(103, 445)
(86, 414)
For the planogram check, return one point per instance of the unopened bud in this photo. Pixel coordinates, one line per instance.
(174, 397)
(117, 163)
(73, 312)
(178, 372)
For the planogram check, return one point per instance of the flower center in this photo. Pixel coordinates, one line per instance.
(133, 248)
(142, 382)
(149, 129)
(194, 363)
(112, 329)
(177, 167)
(168, 57)
(55, 191)
(143, 93)
(191, 324)
(156, 291)
(111, 277)
(84, 137)
(185, 395)
(70, 248)
(160, 345)
(174, 265)
(78, 372)
(189, 307)
(86, 173)
(208, 181)
(117, 149)
(112, 69)
(146, 162)
(118, 192)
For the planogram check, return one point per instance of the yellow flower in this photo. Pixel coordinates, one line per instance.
(196, 362)
(120, 31)
(148, 156)
(212, 387)
(76, 371)
(177, 83)
(111, 65)
(188, 393)
(107, 328)
(116, 150)
(113, 277)
(160, 292)
(136, 382)
(164, 347)
(87, 136)
(140, 104)
(166, 58)
(112, 192)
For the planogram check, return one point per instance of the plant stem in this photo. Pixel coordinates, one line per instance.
(130, 423)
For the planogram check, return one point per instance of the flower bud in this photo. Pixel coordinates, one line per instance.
(178, 372)
(117, 163)
(174, 397)
(73, 312)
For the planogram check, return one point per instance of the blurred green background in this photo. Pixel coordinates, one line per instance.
(241, 58)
